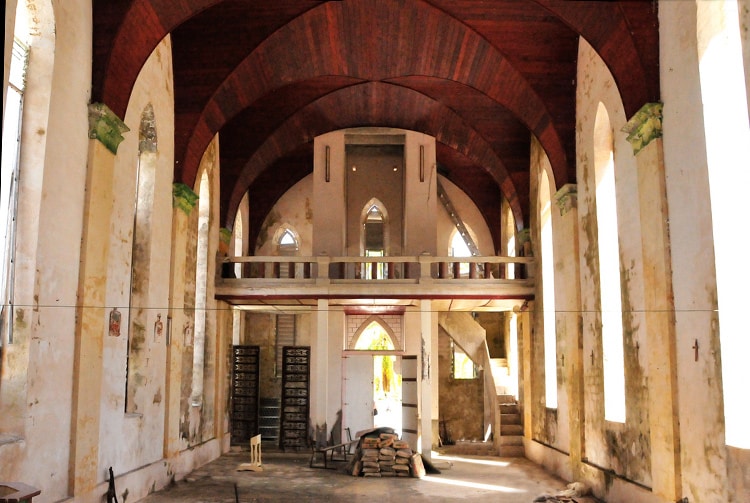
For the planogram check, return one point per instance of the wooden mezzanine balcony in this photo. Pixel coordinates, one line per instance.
(275, 279)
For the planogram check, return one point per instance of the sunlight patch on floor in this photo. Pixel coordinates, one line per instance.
(454, 459)
(472, 485)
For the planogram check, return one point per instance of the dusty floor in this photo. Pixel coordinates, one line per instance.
(287, 477)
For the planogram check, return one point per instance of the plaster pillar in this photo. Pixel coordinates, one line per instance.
(93, 322)
(420, 188)
(319, 369)
(527, 365)
(183, 202)
(644, 134)
(427, 403)
(329, 202)
(570, 327)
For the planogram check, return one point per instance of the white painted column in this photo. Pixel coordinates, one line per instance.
(319, 373)
(424, 445)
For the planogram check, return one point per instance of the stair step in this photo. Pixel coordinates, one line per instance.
(512, 451)
(510, 418)
(511, 440)
(511, 429)
(510, 408)
(471, 449)
(503, 399)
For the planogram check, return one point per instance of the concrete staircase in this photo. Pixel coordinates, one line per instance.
(511, 427)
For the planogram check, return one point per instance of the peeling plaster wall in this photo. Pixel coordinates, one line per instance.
(695, 119)
(35, 393)
(128, 441)
(461, 400)
(621, 447)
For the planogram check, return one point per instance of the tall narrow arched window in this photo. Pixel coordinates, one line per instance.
(548, 292)
(375, 236)
(201, 283)
(609, 269)
(460, 248)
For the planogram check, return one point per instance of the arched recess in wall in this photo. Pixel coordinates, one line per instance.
(509, 238)
(374, 334)
(286, 239)
(238, 247)
(609, 268)
(548, 291)
(201, 286)
(375, 236)
(140, 314)
(459, 247)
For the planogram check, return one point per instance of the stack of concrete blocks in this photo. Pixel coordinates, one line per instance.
(382, 456)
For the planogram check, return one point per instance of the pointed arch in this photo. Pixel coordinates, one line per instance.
(362, 339)
(374, 222)
(609, 267)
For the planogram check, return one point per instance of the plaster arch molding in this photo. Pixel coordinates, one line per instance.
(358, 323)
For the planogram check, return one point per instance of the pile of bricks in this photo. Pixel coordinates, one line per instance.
(384, 455)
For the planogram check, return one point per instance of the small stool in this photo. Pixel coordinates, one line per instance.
(255, 457)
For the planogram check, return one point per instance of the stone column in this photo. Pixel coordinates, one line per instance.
(93, 323)
(569, 324)
(319, 374)
(644, 133)
(183, 202)
(428, 327)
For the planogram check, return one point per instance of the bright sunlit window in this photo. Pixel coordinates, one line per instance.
(609, 269)
(548, 295)
(463, 367)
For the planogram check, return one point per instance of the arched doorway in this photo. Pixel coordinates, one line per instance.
(372, 380)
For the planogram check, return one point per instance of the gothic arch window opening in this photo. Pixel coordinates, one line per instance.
(609, 269)
(375, 237)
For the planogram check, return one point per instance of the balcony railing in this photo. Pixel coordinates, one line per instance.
(407, 269)
(245, 280)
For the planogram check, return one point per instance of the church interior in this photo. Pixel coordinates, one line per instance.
(494, 225)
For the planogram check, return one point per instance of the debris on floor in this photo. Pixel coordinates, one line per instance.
(572, 493)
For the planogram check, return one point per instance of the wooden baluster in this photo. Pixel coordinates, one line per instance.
(472, 270)
(456, 270)
(391, 270)
(374, 270)
(291, 272)
(443, 270)
(276, 270)
(487, 270)
(306, 270)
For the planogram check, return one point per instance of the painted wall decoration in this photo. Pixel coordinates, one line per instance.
(115, 317)
(158, 328)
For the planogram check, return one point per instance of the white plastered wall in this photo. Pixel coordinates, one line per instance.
(38, 375)
(128, 441)
(705, 142)
(606, 441)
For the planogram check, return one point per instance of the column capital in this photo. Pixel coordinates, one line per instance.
(567, 198)
(183, 197)
(523, 236)
(225, 239)
(106, 127)
(645, 126)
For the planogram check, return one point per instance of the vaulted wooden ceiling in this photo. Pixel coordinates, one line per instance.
(479, 75)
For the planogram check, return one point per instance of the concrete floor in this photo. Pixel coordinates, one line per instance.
(287, 477)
